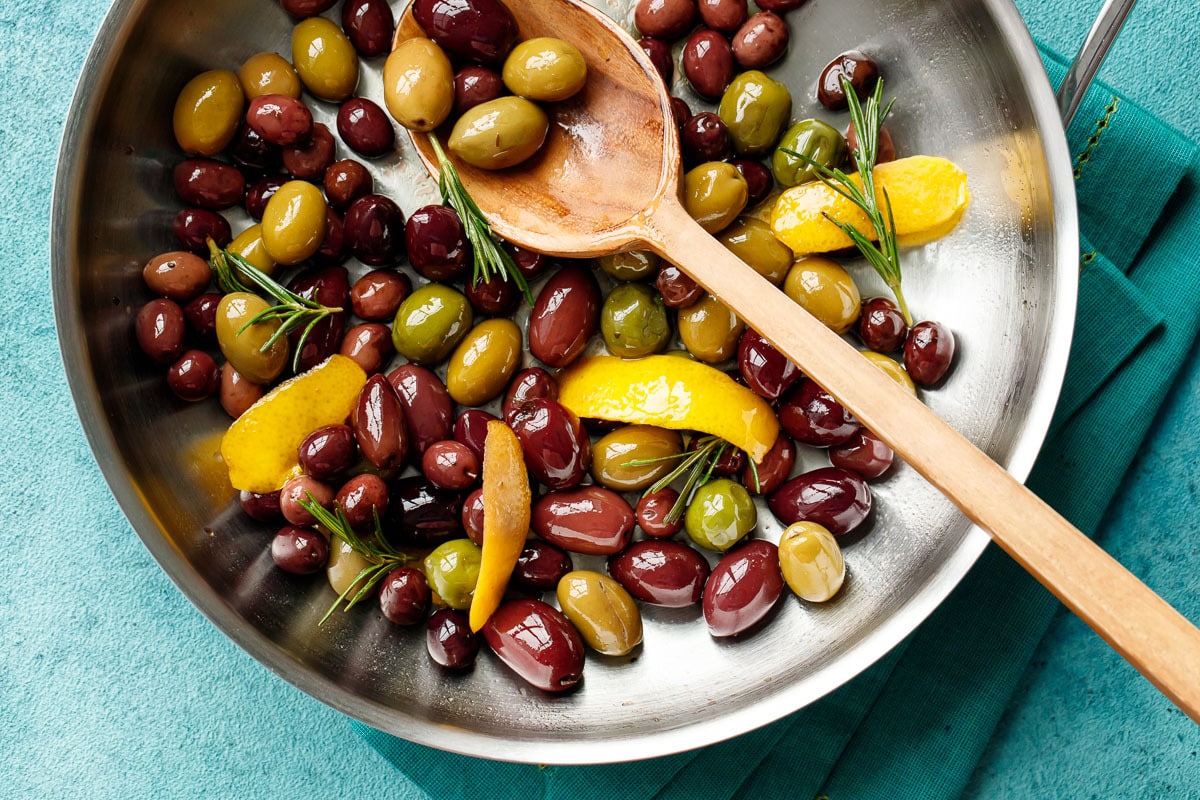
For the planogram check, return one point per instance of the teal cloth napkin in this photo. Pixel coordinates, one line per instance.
(915, 724)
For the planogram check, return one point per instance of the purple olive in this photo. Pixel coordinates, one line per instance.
(365, 127)
(496, 296)
(259, 193)
(776, 466)
(193, 227)
(478, 30)
(760, 41)
(369, 25)
(659, 53)
(299, 488)
(194, 377)
(759, 180)
(253, 154)
(329, 286)
(475, 85)
(677, 288)
(530, 263)
(928, 352)
(380, 424)
(830, 496)
(557, 448)
(428, 409)
(665, 573)
(374, 227)
(404, 596)
(436, 243)
(743, 587)
(811, 416)
(201, 316)
(328, 451)
(859, 69)
(472, 516)
(368, 344)
(538, 643)
(768, 372)
(705, 137)
(664, 19)
(449, 639)
(300, 551)
(262, 506)
(881, 326)
(541, 565)
(422, 515)
(591, 520)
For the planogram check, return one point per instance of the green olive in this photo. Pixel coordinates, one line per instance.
(631, 265)
(755, 108)
(208, 112)
(893, 369)
(818, 141)
(811, 561)
(243, 348)
(345, 566)
(430, 323)
(825, 290)
(751, 240)
(545, 69)
(418, 84)
(613, 452)
(293, 222)
(249, 245)
(484, 361)
(720, 513)
(499, 133)
(325, 60)
(714, 193)
(633, 321)
(453, 570)
(269, 73)
(709, 330)
(603, 612)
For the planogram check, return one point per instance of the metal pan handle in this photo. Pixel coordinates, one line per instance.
(1091, 54)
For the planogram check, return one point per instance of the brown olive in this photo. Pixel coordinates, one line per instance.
(743, 587)
(279, 119)
(856, 67)
(479, 30)
(209, 184)
(376, 295)
(160, 329)
(361, 498)
(345, 181)
(664, 19)
(328, 451)
(177, 275)
(297, 489)
(428, 409)
(236, 393)
(450, 465)
(365, 128)
(761, 41)
(309, 160)
(194, 377)
(928, 352)
(370, 345)
(474, 85)
(193, 227)
(555, 443)
(565, 315)
(723, 15)
(378, 422)
(707, 62)
(538, 643)
(590, 520)
(659, 53)
(201, 316)
(677, 288)
(669, 573)
(301, 9)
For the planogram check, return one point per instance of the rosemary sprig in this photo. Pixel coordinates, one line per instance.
(294, 311)
(695, 467)
(491, 260)
(382, 556)
(883, 254)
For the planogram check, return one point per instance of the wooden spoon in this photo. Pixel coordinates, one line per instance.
(608, 179)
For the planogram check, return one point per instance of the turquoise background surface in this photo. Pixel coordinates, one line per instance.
(113, 685)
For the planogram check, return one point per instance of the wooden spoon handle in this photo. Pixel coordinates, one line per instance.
(1150, 634)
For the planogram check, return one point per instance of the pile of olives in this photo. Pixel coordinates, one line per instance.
(446, 354)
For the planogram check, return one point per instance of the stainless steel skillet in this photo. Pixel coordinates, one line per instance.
(971, 88)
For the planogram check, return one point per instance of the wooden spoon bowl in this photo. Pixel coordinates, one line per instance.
(608, 180)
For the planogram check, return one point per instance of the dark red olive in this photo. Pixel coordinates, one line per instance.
(345, 181)
(374, 227)
(723, 15)
(450, 465)
(422, 515)
(328, 451)
(865, 454)
(369, 344)
(652, 511)
(497, 296)
(379, 423)
(885, 148)
(471, 429)
(768, 372)
(300, 551)
(590, 520)
(759, 181)
(450, 640)
(529, 263)
(526, 385)
(730, 460)
(677, 288)
(665, 573)
(309, 159)
(564, 316)
(428, 409)
(556, 446)
(377, 295)
(881, 326)
(361, 498)
(659, 53)
(743, 587)
(303, 487)
(201, 316)
(478, 30)
(680, 112)
(329, 286)
(194, 377)
(760, 41)
(472, 516)
(262, 506)
(253, 154)
(369, 25)
(928, 352)
(209, 184)
(775, 468)
(404, 596)
(365, 127)
(301, 9)
(160, 328)
(332, 252)
(537, 642)
(856, 67)
(705, 137)
(664, 19)
(830, 496)
(259, 193)
(707, 63)
(436, 243)
(811, 416)
(779, 5)
(279, 119)
(541, 566)
(474, 85)
(193, 227)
